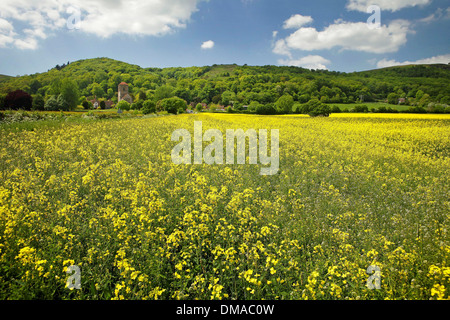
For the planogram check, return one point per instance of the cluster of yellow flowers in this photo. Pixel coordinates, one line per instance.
(353, 191)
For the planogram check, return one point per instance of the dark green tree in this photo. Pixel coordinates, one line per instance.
(148, 107)
(51, 104)
(38, 102)
(392, 98)
(70, 93)
(173, 105)
(123, 105)
(284, 104)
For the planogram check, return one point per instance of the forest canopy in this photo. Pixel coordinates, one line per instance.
(233, 85)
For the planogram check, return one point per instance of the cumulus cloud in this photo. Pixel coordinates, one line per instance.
(103, 18)
(6, 33)
(297, 21)
(385, 5)
(208, 44)
(308, 62)
(282, 48)
(445, 59)
(355, 36)
(437, 15)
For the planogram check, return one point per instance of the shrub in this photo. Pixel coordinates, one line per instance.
(297, 108)
(362, 108)
(306, 108)
(51, 104)
(173, 105)
(87, 105)
(148, 107)
(335, 109)
(267, 109)
(18, 99)
(2, 101)
(137, 105)
(284, 104)
(123, 105)
(322, 110)
(417, 109)
(63, 104)
(38, 102)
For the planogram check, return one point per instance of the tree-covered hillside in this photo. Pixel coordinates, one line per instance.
(254, 86)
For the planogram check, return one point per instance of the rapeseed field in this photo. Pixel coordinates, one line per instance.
(352, 192)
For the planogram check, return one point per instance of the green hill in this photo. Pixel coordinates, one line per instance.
(4, 78)
(243, 85)
(411, 71)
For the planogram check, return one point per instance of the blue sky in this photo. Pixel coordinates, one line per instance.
(322, 34)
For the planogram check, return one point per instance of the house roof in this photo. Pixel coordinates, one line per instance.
(123, 84)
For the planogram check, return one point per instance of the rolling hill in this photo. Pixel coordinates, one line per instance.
(100, 77)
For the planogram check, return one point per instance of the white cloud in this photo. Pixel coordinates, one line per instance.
(445, 59)
(385, 5)
(103, 18)
(355, 36)
(297, 21)
(308, 62)
(27, 43)
(282, 48)
(437, 15)
(208, 44)
(6, 33)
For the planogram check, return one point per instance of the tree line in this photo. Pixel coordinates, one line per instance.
(259, 89)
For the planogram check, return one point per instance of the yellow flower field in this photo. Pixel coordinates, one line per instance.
(352, 192)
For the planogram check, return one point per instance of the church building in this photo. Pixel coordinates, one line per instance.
(124, 94)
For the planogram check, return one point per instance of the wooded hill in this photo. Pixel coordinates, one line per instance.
(240, 85)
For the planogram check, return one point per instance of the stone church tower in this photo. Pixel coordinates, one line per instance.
(124, 94)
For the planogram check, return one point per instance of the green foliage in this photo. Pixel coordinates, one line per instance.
(148, 107)
(237, 85)
(360, 108)
(322, 110)
(2, 101)
(142, 96)
(70, 93)
(123, 105)
(253, 106)
(63, 104)
(38, 102)
(52, 104)
(173, 105)
(297, 107)
(137, 105)
(227, 97)
(87, 105)
(392, 98)
(446, 100)
(310, 106)
(199, 107)
(163, 92)
(97, 90)
(335, 109)
(267, 109)
(425, 100)
(284, 104)
(419, 94)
